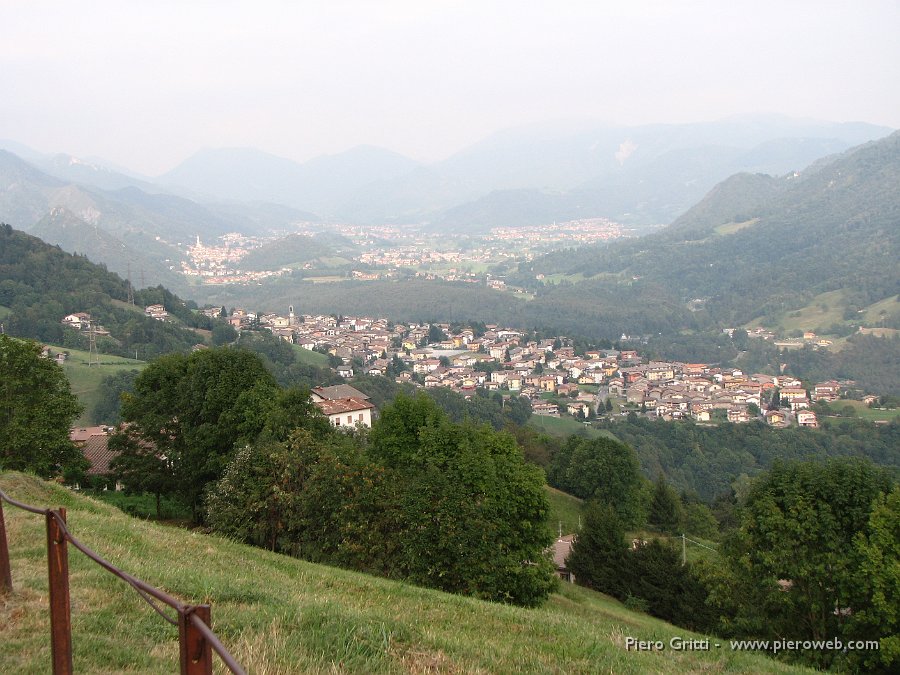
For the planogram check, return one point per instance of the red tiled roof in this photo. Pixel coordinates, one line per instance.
(343, 405)
(83, 434)
(96, 451)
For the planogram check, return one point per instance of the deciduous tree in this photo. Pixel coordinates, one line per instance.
(798, 558)
(37, 407)
(474, 512)
(604, 469)
(194, 409)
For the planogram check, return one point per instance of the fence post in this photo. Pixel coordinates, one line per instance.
(5, 571)
(195, 650)
(60, 609)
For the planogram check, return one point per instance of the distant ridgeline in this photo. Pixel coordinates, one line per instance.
(41, 285)
(755, 246)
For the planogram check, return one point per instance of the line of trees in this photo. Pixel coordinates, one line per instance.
(814, 555)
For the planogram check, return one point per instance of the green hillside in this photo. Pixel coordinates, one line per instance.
(85, 379)
(565, 511)
(293, 250)
(755, 247)
(281, 615)
(40, 284)
(310, 357)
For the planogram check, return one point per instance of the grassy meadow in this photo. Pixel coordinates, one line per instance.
(864, 412)
(281, 615)
(85, 379)
(310, 357)
(564, 426)
(826, 310)
(565, 511)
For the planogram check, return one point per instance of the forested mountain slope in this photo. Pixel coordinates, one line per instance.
(836, 228)
(41, 284)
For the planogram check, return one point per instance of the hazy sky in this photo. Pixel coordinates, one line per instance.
(146, 84)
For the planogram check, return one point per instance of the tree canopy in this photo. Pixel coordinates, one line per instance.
(37, 408)
(446, 505)
(808, 559)
(194, 409)
(603, 469)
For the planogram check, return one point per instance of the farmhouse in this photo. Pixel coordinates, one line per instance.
(345, 406)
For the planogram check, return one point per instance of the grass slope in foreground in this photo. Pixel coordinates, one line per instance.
(281, 615)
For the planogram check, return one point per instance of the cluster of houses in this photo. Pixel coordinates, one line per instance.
(81, 321)
(548, 371)
(674, 391)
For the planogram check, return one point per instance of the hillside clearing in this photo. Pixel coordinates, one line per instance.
(565, 511)
(310, 357)
(563, 427)
(731, 228)
(85, 379)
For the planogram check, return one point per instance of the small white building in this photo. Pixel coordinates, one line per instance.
(347, 412)
(345, 406)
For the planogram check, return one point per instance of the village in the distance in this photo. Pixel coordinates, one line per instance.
(556, 377)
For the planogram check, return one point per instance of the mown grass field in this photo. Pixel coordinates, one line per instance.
(326, 279)
(310, 357)
(731, 228)
(565, 426)
(822, 312)
(827, 309)
(865, 412)
(281, 615)
(565, 511)
(85, 379)
(876, 313)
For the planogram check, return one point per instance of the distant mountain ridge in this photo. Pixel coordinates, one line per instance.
(124, 225)
(246, 174)
(834, 227)
(639, 175)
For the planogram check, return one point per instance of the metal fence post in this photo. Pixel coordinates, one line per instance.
(60, 609)
(195, 650)
(5, 571)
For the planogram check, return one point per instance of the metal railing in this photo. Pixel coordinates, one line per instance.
(196, 639)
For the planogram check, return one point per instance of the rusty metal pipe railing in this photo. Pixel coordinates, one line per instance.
(197, 641)
(202, 625)
(5, 571)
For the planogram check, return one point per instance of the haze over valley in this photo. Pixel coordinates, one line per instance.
(587, 312)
